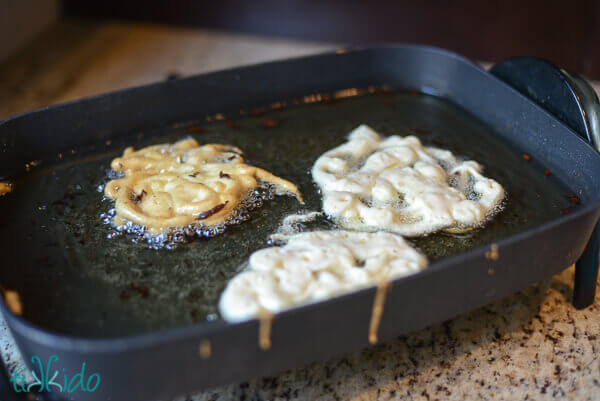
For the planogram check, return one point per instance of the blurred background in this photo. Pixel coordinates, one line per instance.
(56, 50)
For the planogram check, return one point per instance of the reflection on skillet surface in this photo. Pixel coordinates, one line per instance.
(73, 279)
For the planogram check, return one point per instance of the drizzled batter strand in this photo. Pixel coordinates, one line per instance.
(315, 266)
(377, 311)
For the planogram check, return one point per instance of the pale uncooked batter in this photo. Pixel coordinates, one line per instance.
(177, 185)
(314, 266)
(396, 184)
(291, 225)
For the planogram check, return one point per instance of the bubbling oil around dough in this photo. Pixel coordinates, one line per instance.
(170, 192)
(396, 184)
(315, 266)
(170, 238)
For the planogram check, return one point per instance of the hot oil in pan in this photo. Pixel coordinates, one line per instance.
(73, 279)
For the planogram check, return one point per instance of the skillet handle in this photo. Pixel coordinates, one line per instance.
(573, 101)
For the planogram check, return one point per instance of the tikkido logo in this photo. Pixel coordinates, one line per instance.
(48, 380)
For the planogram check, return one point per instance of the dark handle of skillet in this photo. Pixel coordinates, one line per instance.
(573, 101)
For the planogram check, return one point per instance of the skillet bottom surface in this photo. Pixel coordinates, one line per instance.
(74, 280)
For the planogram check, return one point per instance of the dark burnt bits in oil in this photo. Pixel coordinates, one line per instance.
(328, 99)
(195, 315)
(414, 92)
(134, 289)
(571, 197)
(385, 90)
(269, 123)
(224, 175)
(574, 200)
(140, 289)
(137, 198)
(171, 238)
(535, 199)
(35, 163)
(210, 212)
(43, 260)
(68, 202)
(195, 129)
(232, 124)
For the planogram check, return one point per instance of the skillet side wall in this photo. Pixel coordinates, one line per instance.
(165, 364)
(46, 132)
(512, 116)
(162, 367)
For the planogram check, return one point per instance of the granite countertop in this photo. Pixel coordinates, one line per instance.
(532, 345)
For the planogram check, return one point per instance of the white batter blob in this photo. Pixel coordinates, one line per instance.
(398, 185)
(177, 185)
(291, 225)
(313, 266)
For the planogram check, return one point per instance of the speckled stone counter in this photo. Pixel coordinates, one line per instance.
(532, 345)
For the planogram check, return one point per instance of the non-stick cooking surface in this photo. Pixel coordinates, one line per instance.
(73, 279)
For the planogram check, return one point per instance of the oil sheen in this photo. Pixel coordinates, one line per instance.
(72, 278)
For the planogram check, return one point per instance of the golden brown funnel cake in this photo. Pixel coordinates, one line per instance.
(177, 185)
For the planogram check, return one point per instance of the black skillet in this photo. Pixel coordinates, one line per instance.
(140, 317)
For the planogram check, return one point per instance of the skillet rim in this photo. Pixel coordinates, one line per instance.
(57, 340)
